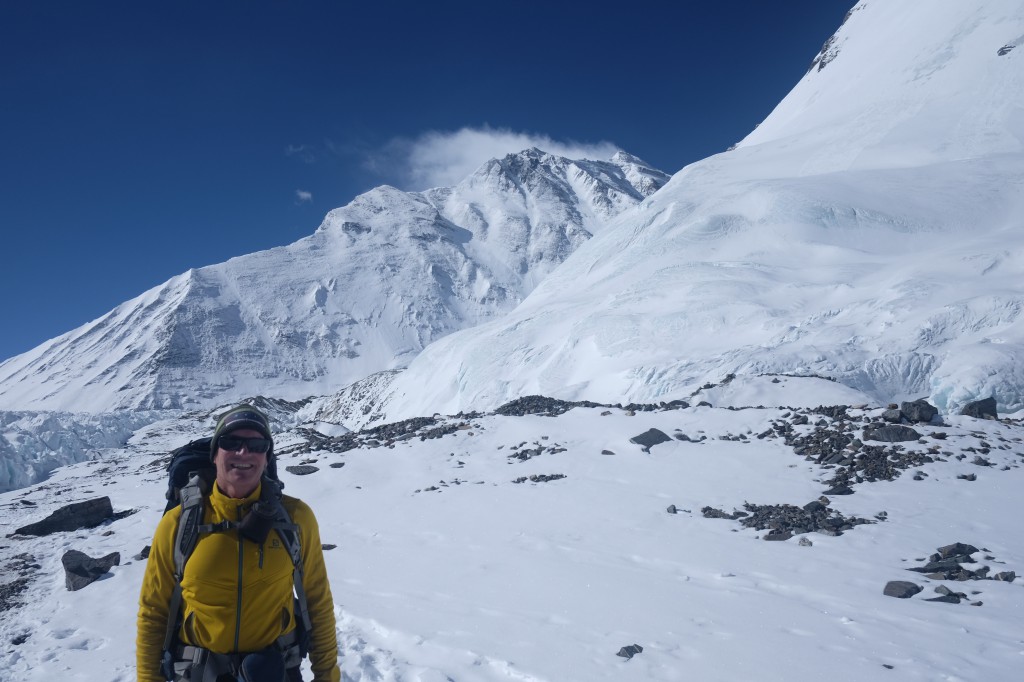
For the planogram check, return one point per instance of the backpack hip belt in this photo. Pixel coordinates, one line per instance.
(203, 665)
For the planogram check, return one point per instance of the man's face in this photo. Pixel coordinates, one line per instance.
(239, 471)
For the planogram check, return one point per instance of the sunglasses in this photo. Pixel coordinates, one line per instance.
(235, 443)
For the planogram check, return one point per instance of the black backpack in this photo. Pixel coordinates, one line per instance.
(191, 475)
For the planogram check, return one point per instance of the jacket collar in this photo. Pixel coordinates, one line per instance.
(227, 507)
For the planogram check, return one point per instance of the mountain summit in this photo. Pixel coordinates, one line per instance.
(869, 230)
(380, 279)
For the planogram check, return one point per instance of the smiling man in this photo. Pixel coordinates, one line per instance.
(253, 596)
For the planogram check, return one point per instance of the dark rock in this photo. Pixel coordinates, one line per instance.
(80, 569)
(650, 438)
(815, 506)
(9, 592)
(143, 555)
(780, 535)
(337, 465)
(968, 477)
(840, 490)
(891, 433)
(302, 469)
(918, 411)
(946, 599)
(901, 589)
(785, 520)
(538, 404)
(712, 513)
(946, 567)
(943, 590)
(328, 548)
(88, 514)
(672, 509)
(1005, 576)
(539, 478)
(957, 549)
(981, 409)
(892, 416)
(607, 452)
(628, 652)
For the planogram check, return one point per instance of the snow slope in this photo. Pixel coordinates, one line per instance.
(445, 568)
(869, 230)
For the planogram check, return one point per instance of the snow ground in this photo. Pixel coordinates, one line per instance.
(486, 579)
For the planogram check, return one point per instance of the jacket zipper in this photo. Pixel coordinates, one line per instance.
(238, 607)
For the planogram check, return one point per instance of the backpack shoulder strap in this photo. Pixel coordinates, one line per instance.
(289, 534)
(193, 496)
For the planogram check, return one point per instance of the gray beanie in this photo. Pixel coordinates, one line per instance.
(242, 417)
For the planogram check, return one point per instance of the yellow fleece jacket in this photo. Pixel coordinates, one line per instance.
(236, 595)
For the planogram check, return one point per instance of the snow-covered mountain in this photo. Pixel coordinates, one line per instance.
(380, 279)
(870, 229)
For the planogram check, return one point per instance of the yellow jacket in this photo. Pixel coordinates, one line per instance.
(236, 595)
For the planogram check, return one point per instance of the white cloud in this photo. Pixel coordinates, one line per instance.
(303, 197)
(442, 159)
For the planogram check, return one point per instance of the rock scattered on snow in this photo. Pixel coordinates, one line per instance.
(891, 433)
(918, 411)
(628, 652)
(901, 589)
(88, 514)
(539, 478)
(650, 438)
(302, 469)
(783, 521)
(981, 409)
(80, 569)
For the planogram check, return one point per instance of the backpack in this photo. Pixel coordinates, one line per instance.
(191, 475)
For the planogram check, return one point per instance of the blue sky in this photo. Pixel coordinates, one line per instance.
(141, 139)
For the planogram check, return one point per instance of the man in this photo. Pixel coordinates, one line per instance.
(238, 620)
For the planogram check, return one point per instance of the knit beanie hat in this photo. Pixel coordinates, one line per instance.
(242, 417)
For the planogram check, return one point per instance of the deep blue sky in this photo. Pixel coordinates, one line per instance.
(144, 138)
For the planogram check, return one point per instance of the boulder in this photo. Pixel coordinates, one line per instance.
(302, 469)
(80, 569)
(981, 409)
(957, 549)
(891, 433)
(918, 411)
(892, 416)
(650, 438)
(88, 514)
(628, 652)
(901, 589)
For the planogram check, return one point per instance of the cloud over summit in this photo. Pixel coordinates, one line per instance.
(443, 158)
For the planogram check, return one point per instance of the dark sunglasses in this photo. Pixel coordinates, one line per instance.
(235, 443)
